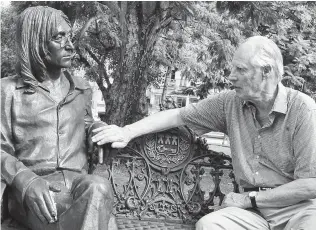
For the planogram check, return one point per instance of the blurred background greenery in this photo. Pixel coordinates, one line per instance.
(125, 47)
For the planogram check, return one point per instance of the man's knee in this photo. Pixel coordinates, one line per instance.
(303, 220)
(92, 184)
(231, 218)
(211, 221)
(204, 223)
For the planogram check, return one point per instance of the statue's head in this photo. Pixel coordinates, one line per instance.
(43, 42)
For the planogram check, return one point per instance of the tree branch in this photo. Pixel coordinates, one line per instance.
(95, 58)
(98, 34)
(82, 58)
(85, 27)
(106, 48)
(122, 16)
(102, 70)
(115, 9)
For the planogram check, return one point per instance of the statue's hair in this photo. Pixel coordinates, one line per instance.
(266, 52)
(35, 27)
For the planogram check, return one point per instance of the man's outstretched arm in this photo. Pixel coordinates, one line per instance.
(120, 136)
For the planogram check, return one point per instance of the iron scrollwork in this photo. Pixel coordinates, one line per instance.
(169, 176)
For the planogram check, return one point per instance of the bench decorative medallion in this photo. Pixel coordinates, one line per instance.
(165, 180)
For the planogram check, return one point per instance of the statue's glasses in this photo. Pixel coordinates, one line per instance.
(63, 39)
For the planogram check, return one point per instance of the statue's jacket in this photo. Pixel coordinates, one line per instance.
(40, 136)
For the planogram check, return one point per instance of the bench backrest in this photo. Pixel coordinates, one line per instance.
(169, 176)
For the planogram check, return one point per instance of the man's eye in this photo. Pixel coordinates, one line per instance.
(240, 69)
(58, 37)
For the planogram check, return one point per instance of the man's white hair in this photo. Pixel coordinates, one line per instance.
(266, 52)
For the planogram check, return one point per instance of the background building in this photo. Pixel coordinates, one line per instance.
(176, 83)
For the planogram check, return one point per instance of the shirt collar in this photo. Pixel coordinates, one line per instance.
(75, 82)
(280, 102)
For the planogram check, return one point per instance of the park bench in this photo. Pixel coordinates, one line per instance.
(165, 180)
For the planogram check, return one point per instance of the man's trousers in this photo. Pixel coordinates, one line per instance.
(301, 216)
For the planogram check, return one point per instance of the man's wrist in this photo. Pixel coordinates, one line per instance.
(128, 132)
(247, 201)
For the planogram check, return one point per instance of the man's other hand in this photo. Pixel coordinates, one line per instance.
(39, 201)
(118, 136)
(239, 200)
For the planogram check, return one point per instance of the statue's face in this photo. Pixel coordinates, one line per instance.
(60, 47)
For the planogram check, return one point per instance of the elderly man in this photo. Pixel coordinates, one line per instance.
(45, 124)
(272, 132)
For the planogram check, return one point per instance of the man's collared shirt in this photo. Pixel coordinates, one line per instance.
(40, 135)
(283, 150)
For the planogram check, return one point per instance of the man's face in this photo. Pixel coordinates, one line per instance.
(246, 78)
(60, 47)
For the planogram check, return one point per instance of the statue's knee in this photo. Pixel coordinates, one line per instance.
(94, 184)
(100, 184)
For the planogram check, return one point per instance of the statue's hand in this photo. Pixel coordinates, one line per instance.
(39, 201)
(118, 136)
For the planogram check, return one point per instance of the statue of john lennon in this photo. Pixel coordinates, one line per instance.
(45, 129)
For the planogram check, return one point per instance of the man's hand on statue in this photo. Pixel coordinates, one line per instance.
(118, 136)
(39, 201)
(239, 200)
(94, 126)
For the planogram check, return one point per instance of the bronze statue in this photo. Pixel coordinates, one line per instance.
(45, 130)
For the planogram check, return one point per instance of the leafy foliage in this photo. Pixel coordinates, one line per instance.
(292, 26)
(8, 17)
(126, 46)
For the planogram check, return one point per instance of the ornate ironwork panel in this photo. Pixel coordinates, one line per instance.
(169, 176)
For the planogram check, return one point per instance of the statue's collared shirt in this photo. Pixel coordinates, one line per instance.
(281, 151)
(40, 135)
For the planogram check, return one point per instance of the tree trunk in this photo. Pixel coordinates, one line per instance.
(127, 101)
(141, 23)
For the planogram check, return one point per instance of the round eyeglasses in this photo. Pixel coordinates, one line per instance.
(63, 39)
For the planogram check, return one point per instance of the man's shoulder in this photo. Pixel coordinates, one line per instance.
(228, 97)
(300, 100)
(223, 100)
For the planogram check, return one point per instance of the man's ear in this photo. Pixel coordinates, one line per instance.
(266, 70)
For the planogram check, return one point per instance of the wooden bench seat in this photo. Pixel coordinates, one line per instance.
(166, 180)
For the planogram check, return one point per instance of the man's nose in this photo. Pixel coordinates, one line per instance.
(69, 44)
(232, 76)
